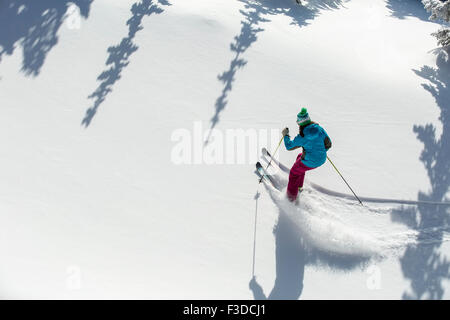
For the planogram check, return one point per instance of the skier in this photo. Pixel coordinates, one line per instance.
(315, 142)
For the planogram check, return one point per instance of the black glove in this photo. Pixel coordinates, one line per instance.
(327, 143)
(285, 132)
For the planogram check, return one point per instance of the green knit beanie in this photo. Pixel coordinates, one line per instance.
(303, 117)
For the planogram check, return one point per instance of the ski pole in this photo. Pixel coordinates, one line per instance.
(344, 180)
(254, 233)
(279, 144)
(256, 211)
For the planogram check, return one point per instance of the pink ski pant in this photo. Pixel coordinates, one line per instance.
(296, 178)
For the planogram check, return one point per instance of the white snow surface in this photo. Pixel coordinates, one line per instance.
(93, 205)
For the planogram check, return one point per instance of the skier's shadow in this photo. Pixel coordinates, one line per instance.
(292, 255)
(290, 264)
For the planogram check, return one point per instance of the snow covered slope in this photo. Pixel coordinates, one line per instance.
(97, 98)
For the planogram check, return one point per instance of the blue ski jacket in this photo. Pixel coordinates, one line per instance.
(313, 140)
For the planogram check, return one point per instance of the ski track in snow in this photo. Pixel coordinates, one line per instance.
(322, 227)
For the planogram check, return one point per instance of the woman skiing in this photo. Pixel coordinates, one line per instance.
(315, 143)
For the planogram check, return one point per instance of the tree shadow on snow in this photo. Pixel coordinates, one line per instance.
(423, 264)
(292, 256)
(255, 13)
(34, 25)
(407, 8)
(119, 55)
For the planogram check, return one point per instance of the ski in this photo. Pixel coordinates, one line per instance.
(263, 174)
(266, 153)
